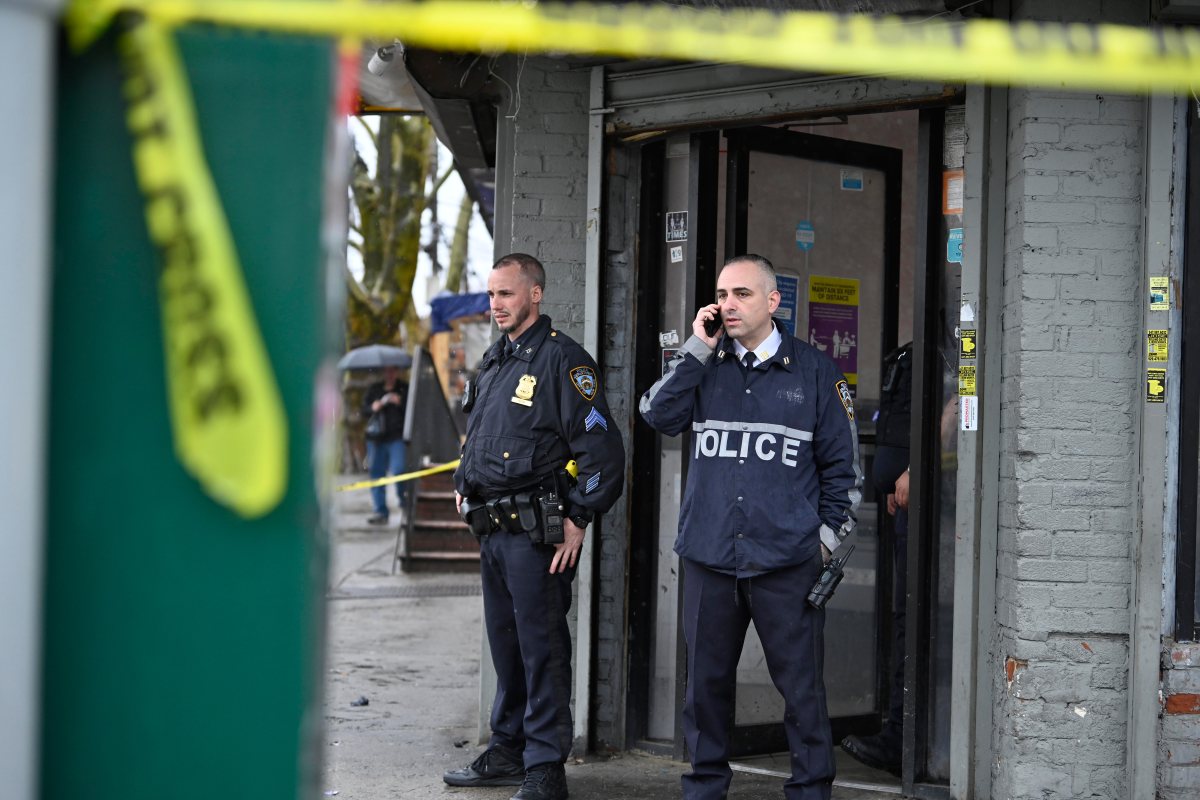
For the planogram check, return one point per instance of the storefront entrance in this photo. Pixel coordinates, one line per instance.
(851, 211)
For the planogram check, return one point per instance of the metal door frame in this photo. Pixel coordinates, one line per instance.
(644, 504)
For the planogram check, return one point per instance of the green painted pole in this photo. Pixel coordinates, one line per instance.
(182, 643)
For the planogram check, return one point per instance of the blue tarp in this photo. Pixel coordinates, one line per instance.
(452, 306)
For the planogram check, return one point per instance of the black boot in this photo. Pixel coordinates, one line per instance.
(880, 751)
(496, 766)
(544, 782)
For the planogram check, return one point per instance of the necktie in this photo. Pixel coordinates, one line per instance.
(749, 359)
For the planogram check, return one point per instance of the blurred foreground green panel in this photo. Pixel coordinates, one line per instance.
(183, 644)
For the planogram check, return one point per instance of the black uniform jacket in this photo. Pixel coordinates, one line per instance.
(774, 467)
(535, 410)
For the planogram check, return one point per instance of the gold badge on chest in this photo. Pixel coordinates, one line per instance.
(524, 393)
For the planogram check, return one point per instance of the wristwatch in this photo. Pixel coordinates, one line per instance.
(580, 517)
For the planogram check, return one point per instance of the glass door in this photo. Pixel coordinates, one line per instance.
(826, 212)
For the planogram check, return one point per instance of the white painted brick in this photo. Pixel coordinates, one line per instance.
(1035, 337)
(1114, 520)
(1054, 161)
(1112, 596)
(1118, 470)
(1099, 444)
(1096, 288)
(1049, 108)
(1038, 236)
(1076, 263)
(1048, 569)
(527, 164)
(1056, 365)
(1032, 543)
(1054, 519)
(1040, 186)
(1183, 681)
(1090, 649)
(1059, 211)
(546, 189)
(1110, 677)
(572, 123)
(554, 145)
(1090, 494)
(1092, 545)
(1116, 108)
(526, 206)
(1096, 340)
(1093, 134)
(1124, 185)
(1120, 213)
(1040, 132)
(1097, 237)
(1120, 262)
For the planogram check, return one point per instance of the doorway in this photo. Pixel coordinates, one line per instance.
(850, 211)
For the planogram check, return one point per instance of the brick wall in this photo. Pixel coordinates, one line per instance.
(549, 213)
(549, 180)
(1069, 461)
(1179, 740)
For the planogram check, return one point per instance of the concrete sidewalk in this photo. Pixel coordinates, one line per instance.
(410, 646)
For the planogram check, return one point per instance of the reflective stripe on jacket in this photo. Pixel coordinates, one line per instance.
(774, 454)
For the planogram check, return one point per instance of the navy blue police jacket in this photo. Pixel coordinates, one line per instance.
(774, 463)
(535, 410)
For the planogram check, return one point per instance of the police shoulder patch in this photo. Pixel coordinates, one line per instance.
(843, 390)
(585, 381)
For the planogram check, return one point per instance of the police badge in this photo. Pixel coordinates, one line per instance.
(584, 379)
(524, 392)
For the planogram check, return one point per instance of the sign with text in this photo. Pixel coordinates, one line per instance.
(833, 321)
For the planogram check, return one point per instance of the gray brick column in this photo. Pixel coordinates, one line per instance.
(1069, 470)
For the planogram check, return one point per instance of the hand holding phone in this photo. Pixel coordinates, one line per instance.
(712, 327)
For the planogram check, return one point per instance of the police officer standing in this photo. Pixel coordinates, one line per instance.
(535, 406)
(772, 489)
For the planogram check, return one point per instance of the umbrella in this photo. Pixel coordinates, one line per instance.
(375, 356)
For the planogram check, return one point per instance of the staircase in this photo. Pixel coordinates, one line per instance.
(436, 540)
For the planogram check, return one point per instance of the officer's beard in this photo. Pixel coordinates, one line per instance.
(515, 321)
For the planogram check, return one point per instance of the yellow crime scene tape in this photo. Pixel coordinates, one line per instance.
(226, 413)
(408, 476)
(1070, 55)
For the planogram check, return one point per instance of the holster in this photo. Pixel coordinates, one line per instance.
(515, 513)
(475, 514)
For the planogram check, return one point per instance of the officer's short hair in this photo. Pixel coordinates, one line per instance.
(530, 267)
(764, 266)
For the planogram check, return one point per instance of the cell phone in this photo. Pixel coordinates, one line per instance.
(713, 326)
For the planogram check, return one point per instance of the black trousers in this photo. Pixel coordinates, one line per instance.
(525, 613)
(717, 610)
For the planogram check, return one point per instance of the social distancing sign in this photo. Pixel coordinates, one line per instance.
(227, 417)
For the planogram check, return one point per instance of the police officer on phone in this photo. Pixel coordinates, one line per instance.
(542, 458)
(772, 489)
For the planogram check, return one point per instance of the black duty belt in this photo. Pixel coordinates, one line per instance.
(538, 514)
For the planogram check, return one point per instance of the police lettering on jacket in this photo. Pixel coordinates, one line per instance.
(535, 409)
(774, 454)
